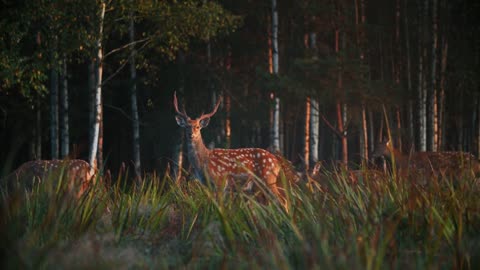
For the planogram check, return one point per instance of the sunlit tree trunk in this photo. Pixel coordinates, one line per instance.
(314, 130)
(306, 147)
(64, 127)
(98, 93)
(228, 105)
(133, 100)
(275, 133)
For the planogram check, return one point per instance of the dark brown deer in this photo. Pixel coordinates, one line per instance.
(77, 172)
(428, 164)
(227, 167)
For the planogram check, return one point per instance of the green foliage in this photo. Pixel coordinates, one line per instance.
(376, 224)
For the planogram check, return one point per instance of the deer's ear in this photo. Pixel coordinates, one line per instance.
(181, 121)
(204, 122)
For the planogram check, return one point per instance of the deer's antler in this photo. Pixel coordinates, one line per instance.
(208, 115)
(175, 105)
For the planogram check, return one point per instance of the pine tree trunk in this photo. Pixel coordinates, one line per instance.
(64, 130)
(441, 99)
(134, 106)
(314, 130)
(306, 147)
(228, 128)
(364, 136)
(98, 94)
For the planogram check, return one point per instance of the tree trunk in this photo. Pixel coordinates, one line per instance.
(341, 114)
(228, 128)
(411, 125)
(314, 130)
(422, 106)
(64, 130)
(98, 93)
(433, 109)
(133, 99)
(306, 147)
(275, 138)
(54, 114)
(38, 130)
(364, 136)
(441, 100)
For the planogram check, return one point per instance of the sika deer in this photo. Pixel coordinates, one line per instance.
(428, 164)
(227, 167)
(76, 172)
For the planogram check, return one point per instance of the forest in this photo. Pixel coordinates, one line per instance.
(317, 82)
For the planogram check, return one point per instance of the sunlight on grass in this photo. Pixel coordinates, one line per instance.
(162, 224)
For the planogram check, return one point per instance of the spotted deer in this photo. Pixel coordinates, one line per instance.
(76, 172)
(226, 167)
(428, 164)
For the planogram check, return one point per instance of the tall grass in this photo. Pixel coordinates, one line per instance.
(375, 224)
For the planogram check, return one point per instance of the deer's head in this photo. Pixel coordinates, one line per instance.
(383, 149)
(192, 126)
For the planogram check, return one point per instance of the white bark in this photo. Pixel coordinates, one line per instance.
(98, 91)
(275, 62)
(64, 127)
(422, 97)
(133, 98)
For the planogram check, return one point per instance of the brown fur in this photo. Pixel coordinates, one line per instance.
(76, 172)
(429, 164)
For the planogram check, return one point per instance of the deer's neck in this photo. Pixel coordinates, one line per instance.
(401, 160)
(198, 155)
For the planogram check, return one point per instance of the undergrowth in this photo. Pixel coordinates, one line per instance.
(374, 224)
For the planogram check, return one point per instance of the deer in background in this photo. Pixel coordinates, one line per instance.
(76, 172)
(428, 164)
(227, 167)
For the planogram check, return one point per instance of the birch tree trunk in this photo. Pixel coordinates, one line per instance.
(433, 107)
(275, 138)
(422, 106)
(92, 82)
(133, 99)
(314, 110)
(64, 127)
(98, 93)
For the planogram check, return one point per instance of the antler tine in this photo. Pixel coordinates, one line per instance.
(175, 104)
(203, 116)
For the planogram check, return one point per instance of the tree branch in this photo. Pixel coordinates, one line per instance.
(331, 126)
(126, 46)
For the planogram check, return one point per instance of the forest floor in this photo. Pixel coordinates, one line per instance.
(373, 224)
